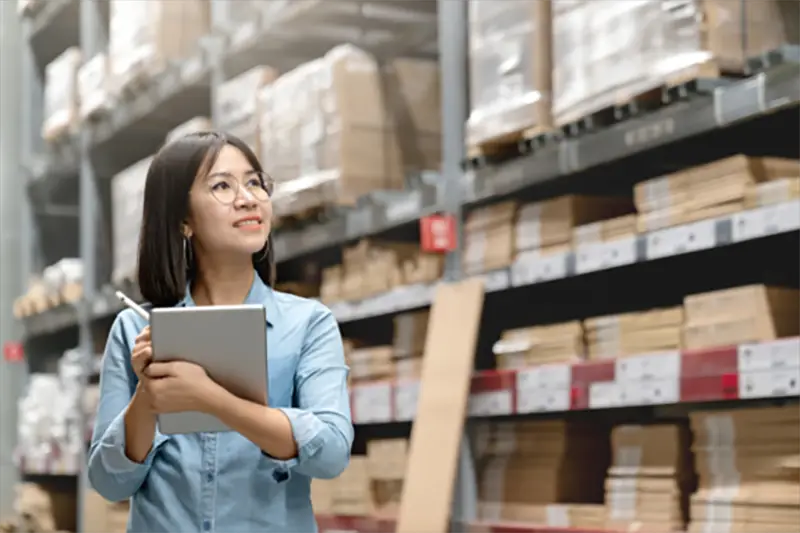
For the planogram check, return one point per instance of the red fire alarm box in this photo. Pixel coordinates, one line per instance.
(438, 233)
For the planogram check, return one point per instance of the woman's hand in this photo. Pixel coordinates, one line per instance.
(142, 353)
(178, 386)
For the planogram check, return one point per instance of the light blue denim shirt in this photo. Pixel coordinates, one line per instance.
(222, 482)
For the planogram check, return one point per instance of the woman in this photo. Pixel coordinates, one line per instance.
(205, 241)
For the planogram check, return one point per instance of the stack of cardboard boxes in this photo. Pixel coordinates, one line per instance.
(548, 226)
(716, 189)
(510, 64)
(410, 332)
(604, 231)
(489, 238)
(341, 126)
(145, 37)
(371, 485)
(529, 471)
(750, 313)
(650, 479)
(747, 460)
(237, 105)
(370, 268)
(610, 52)
(613, 336)
(537, 345)
(127, 198)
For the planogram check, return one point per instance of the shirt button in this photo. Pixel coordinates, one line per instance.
(206, 525)
(210, 477)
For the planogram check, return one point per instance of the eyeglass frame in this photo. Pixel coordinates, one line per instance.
(267, 184)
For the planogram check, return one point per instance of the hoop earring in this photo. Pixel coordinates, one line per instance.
(263, 255)
(187, 252)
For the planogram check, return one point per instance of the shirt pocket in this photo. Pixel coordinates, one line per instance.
(281, 369)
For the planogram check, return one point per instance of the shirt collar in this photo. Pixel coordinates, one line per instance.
(260, 294)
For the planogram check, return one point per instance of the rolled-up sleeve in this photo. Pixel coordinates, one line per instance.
(111, 473)
(321, 421)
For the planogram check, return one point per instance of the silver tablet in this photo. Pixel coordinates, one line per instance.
(229, 342)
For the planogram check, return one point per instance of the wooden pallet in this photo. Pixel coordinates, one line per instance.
(507, 145)
(630, 102)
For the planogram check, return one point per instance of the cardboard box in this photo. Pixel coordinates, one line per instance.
(144, 37)
(613, 336)
(772, 192)
(537, 345)
(94, 87)
(750, 313)
(489, 238)
(550, 223)
(237, 101)
(510, 69)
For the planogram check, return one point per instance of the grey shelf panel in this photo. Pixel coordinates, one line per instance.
(528, 269)
(766, 92)
(285, 40)
(51, 28)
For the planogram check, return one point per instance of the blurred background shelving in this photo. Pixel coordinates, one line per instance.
(623, 177)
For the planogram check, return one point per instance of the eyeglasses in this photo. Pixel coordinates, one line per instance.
(225, 187)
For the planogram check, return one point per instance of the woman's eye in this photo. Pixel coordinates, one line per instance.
(254, 183)
(219, 186)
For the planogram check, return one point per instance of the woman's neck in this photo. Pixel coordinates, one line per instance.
(226, 283)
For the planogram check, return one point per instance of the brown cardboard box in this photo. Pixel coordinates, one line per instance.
(740, 456)
(536, 345)
(237, 101)
(144, 37)
(636, 333)
(712, 190)
(550, 223)
(510, 65)
(604, 231)
(489, 238)
(370, 268)
(369, 364)
(328, 135)
(743, 314)
(410, 332)
(772, 192)
(523, 464)
(352, 495)
(650, 478)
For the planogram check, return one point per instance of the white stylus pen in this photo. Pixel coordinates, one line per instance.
(133, 305)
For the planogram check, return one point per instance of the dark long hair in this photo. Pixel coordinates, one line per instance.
(164, 268)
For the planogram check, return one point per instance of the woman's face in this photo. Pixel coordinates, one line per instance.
(229, 208)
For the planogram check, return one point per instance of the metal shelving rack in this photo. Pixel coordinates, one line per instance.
(86, 162)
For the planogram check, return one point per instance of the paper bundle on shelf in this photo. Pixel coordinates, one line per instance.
(656, 330)
(751, 313)
(607, 53)
(746, 460)
(510, 70)
(537, 345)
(604, 231)
(371, 364)
(61, 108)
(237, 102)
(524, 468)
(127, 197)
(489, 238)
(547, 226)
(144, 37)
(716, 189)
(410, 332)
(650, 478)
